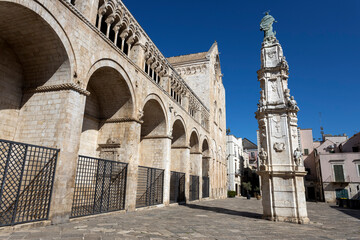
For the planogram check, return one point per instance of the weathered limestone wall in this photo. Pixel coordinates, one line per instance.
(178, 159)
(152, 152)
(71, 113)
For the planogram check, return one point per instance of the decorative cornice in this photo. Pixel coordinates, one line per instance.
(121, 120)
(158, 137)
(198, 153)
(60, 87)
(181, 147)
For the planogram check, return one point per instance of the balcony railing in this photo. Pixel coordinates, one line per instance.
(332, 179)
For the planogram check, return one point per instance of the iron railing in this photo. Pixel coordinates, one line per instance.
(26, 177)
(150, 187)
(194, 188)
(177, 187)
(333, 179)
(205, 187)
(100, 186)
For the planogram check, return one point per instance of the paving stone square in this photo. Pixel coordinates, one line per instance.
(236, 218)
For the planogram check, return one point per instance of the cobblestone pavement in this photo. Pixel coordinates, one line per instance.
(218, 219)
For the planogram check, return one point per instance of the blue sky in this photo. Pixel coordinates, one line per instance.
(320, 39)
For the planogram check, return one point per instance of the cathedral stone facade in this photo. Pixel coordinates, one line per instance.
(83, 77)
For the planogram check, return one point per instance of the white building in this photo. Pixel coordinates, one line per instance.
(235, 162)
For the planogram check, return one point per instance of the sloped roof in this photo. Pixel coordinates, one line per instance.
(247, 144)
(187, 58)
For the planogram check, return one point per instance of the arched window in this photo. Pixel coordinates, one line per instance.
(215, 109)
(220, 117)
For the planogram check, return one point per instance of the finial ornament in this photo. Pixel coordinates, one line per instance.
(266, 26)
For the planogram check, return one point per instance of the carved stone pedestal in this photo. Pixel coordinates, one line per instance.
(284, 196)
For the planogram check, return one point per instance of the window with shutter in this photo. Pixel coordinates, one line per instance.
(339, 173)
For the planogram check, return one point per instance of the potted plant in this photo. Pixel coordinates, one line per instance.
(247, 186)
(257, 193)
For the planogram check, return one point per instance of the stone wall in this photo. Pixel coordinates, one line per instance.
(72, 88)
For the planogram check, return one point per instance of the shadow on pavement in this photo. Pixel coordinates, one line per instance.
(351, 212)
(225, 211)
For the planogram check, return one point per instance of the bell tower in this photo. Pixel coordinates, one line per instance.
(282, 171)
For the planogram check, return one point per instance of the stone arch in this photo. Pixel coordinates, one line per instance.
(154, 139)
(33, 58)
(114, 65)
(194, 141)
(106, 9)
(205, 149)
(108, 110)
(179, 146)
(205, 167)
(179, 133)
(154, 117)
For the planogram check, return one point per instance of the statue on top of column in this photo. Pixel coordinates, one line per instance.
(266, 26)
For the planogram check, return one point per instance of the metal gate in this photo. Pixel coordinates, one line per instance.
(100, 186)
(26, 177)
(194, 188)
(150, 187)
(177, 187)
(205, 187)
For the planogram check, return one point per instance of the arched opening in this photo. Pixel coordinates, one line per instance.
(206, 158)
(154, 149)
(153, 135)
(194, 143)
(205, 169)
(109, 105)
(215, 111)
(178, 134)
(31, 57)
(104, 12)
(195, 166)
(179, 155)
(220, 118)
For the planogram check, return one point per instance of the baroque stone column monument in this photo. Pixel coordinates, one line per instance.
(281, 168)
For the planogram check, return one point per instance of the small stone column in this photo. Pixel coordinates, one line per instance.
(281, 167)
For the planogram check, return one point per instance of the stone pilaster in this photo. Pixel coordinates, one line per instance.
(89, 8)
(196, 168)
(67, 140)
(137, 55)
(166, 166)
(281, 170)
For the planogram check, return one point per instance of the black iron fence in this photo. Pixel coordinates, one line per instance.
(177, 187)
(194, 188)
(205, 187)
(26, 177)
(100, 186)
(150, 187)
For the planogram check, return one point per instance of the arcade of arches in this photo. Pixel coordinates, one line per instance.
(76, 82)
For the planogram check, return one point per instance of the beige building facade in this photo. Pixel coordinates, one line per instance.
(84, 78)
